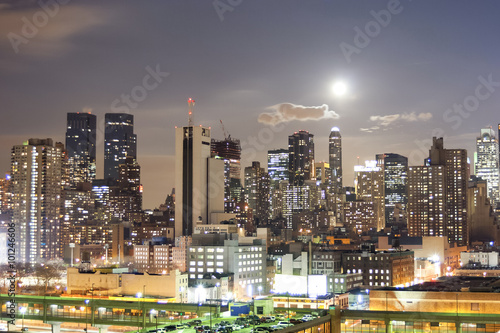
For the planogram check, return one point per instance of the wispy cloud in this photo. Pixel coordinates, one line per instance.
(286, 112)
(384, 122)
(30, 30)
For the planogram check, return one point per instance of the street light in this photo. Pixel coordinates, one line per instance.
(92, 304)
(138, 295)
(23, 310)
(181, 289)
(86, 315)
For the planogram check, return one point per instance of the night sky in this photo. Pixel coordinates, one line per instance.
(252, 64)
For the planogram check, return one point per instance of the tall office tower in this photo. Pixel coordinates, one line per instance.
(323, 173)
(36, 199)
(101, 195)
(229, 150)
(126, 199)
(119, 142)
(335, 155)
(437, 195)
(487, 166)
(296, 199)
(257, 192)
(277, 164)
(395, 168)
(81, 147)
(300, 157)
(78, 209)
(199, 179)
(369, 182)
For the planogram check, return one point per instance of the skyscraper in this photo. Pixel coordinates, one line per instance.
(487, 166)
(199, 179)
(257, 192)
(335, 156)
(119, 142)
(36, 199)
(300, 157)
(81, 147)
(277, 164)
(395, 168)
(370, 188)
(437, 195)
(229, 150)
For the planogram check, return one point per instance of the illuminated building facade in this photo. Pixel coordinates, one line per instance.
(81, 147)
(153, 258)
(257, 192)
(295, 199)
(487, 166)
(359, 216)
(369, 182)
(224, 256)
(395, 168)
(437, 195)
(277, 164)
(120, 142)
(5, 195)
(388, 268)
(126, 198)
(36, 199)
(335, 159)
(300, 158)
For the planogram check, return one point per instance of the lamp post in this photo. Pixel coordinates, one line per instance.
(139, 296)
(86, 315)
(181, 289)
(92, 304)
(23, 310)
(288, 309)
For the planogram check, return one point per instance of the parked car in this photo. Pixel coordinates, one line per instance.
(296, 321)
(284, 324)
(307, 317)
(259, 329)
(170, 328)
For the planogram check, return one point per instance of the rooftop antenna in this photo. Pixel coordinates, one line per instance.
(190, 105)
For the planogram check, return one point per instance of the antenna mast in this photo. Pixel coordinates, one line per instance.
(190, 106)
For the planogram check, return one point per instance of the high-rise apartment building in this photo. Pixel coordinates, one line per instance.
(36, 199)
(300, 157)
(335, 159)
(395, 168)
(369, 182)
(257, 192)
(487, 166)
(81, 147)
(437, 195)
(120, 142)
(199, 179)
(126, 198)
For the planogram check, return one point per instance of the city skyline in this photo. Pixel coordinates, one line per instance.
(84, 71)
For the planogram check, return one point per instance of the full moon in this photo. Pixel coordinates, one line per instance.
(339, 88)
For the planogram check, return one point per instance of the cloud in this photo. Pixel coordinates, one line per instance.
(383, 122)
(286, 112)
(30, 30)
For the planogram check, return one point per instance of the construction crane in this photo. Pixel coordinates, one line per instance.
(227, 136)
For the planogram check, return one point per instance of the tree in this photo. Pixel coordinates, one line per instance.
(45, 273)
